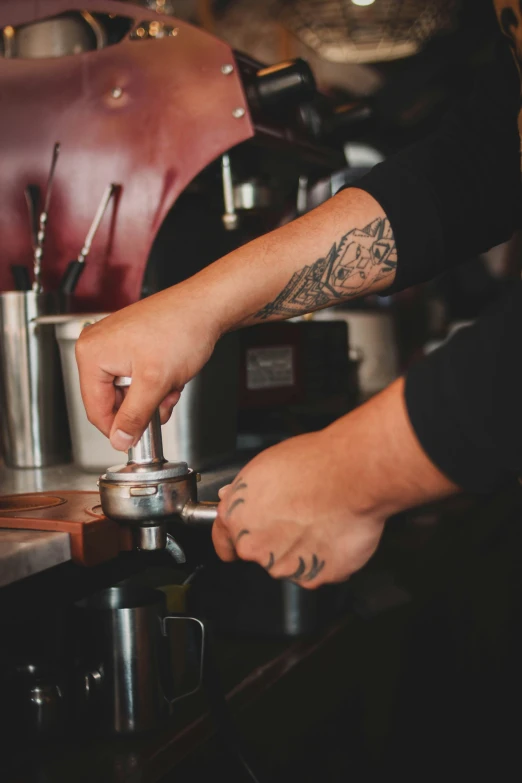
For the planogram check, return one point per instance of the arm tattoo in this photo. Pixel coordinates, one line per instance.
(362, 258)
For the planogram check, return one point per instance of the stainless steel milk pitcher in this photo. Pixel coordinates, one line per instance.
(138, 669)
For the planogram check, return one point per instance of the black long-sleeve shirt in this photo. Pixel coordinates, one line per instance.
(449, 198)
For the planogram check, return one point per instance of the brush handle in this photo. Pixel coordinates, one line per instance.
(21, 277)
(71, 277)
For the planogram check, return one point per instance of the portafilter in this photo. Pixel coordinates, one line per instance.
(149, 491)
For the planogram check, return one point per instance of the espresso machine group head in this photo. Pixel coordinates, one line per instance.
(149, 491)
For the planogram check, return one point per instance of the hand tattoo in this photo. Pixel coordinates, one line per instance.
(316, 567)
(300, 570)
(237, 486)
(235, 503)
(299, 574)
(362, 258)
(241, 534)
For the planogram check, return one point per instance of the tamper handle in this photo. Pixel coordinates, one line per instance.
(149, 449)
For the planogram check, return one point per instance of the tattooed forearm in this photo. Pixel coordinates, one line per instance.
(362, 258)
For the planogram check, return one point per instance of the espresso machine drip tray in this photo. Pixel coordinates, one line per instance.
(94, 538)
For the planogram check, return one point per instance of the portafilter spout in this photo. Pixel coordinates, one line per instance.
(149, 491)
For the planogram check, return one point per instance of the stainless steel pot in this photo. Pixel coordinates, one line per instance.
(33, 425)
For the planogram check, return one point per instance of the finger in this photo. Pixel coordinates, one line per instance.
(96, 385)
(238, 485)
(144, 395)
(223, 492)
(167, 406)
(265, 545)
(99, 399)
(223, 544)
(307, 567)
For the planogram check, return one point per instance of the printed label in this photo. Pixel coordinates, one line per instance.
(270, 368)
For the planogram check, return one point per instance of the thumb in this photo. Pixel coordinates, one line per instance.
(141, 400)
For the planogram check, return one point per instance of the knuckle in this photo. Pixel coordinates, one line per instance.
(152, 375)
(314, 584)
(86, 335)
(131, 419)
(80, 348)
(219, 528)
(279, 571)
(246, 549)
(224, 549)
(91, 418)
(222, 514)
(309, 586)
(84, 348)
(341, 574)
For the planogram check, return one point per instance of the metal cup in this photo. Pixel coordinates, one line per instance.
(135, 670)
(34, 427)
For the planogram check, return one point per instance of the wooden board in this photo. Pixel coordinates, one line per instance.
(94, 538)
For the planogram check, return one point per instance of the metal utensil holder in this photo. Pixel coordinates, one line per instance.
(34, 427)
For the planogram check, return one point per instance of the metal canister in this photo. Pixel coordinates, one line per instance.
(33, 417)
(138, 668)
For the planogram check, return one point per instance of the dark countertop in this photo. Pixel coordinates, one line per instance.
(251, 672)
(283, 692)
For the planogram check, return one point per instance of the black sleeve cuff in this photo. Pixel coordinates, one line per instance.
(408, 205)
(464, 399)
(471, 465)
(457, 193)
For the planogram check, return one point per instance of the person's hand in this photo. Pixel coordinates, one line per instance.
(312, 509)
(292, 511)
(161, 342)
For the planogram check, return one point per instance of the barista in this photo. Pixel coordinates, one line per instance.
(313, 508)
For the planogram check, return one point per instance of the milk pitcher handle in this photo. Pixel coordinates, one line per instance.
(202, 627)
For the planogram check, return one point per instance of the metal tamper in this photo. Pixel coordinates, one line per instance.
(149, 491)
